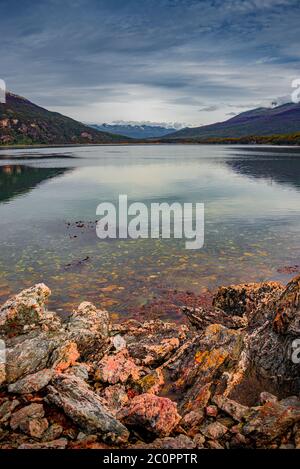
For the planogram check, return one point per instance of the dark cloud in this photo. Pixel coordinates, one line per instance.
(212, 108)
(161, 60)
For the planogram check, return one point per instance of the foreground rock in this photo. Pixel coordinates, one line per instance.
(272, 420)
(31, 383)
(117, 368)
(237, 300)
(178, 442)
(29, 353)
(149, 413)
(24, 310)
(229, 379)
(88, 327)
(85, 408)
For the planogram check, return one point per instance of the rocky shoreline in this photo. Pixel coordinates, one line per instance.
(228, 379)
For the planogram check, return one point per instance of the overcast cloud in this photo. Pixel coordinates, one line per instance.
(187, 61)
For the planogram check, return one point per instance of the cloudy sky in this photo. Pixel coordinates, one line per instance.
(187, 61)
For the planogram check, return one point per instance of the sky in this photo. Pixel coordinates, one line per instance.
(181, 62)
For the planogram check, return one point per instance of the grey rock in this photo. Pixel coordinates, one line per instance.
(267, 397)
(79, 370)
(85, 408)
(32, 383)
(56, 444)
(30, 353)
(214, 430)
(52, 433)
(20, 417)
(6, 409)
(200, 318)
(34, 427)
(26, 308)
(272, 420)
(177, 442)
(234, 409)
(89, 327)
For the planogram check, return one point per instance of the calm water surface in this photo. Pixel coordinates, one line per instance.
(48, 200)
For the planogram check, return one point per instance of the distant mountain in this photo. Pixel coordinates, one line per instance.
(135, 131)
(284, 119)
(25, 123)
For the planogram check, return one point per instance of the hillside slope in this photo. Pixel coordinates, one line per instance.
(284, 119)
(25, 123)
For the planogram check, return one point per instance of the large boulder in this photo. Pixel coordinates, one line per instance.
(21, 417)
(268, 360)
(88, 327)
(85, 407)
(61, 443)
(150, 414)
(201, 318)
(272, 420)
(32, 383)
(176, 443)
(30, 353)
(200, 363)
(153, 342)
(242, 299)
(118, 368)
(23, 310)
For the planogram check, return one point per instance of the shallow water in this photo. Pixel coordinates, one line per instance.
(252, 223)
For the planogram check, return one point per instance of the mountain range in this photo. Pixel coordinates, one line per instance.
(25, 123)
(283, 119)
(140, 131)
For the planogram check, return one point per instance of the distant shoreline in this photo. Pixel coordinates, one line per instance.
(148, 143)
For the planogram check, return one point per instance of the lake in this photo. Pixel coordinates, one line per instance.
(48, 200)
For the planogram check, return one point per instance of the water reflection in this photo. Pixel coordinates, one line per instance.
(252, 203)
(16, 180)
(280, 166)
